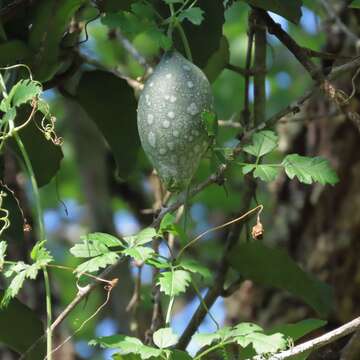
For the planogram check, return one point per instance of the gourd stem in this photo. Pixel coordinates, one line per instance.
(184, 40)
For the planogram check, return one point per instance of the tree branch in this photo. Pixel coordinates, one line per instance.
(316, 343)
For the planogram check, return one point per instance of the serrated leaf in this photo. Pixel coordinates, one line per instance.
(145, 236)
(13, 289)
(98, 262)
(126, 345)
(173, 283)
(266, 172)
(266, 343)
(3, 247)
(276, 268)
(195, 15)
(121, 342)
(308, 169)
(195, 267)
(139, 253)
(245, 328)
(164, 338)
(205, 339)
(290, 10)
(22, 92)
(263, 142)
(41, 255)
(95, 244)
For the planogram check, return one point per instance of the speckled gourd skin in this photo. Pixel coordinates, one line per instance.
(169, 119)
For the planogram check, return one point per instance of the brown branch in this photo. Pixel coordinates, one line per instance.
(316, 343)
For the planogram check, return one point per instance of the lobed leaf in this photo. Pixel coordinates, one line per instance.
(98, 262)
(175, 282)
(308, 169)
(164, 338)
(263, 142)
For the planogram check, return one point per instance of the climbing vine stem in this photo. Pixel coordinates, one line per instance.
(41, 226)
(40, 221)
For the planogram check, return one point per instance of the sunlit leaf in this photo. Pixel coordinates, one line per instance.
(309, 170)
(175, 282)
(164, 338)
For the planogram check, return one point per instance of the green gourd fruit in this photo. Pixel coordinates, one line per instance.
(170, 122)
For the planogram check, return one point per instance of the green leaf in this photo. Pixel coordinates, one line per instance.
(139, 253)
(266, 172)
(173, 283)
(40, 254)
(355, 4)
(308, 169)
(218, 60)
(21, 93)
(164, 338)
(211, 29)
(275, 268)
(245, 328)
(3, 246)
(290, 10)
(13, 52)
(195, 15)
(30, 329)
(265, 343)
(195, 267)
(298, 330)
(179, 355)
(263, 142)
(121, 342)
(45, 36)
(248, 168)
(145, 236)
(13, 289)
(205, 339)
(168, 225)
(98, 262)
(114, 112)
(173, 1)
(95, 244)
(126, 345)
(209, 120)
(10, 114)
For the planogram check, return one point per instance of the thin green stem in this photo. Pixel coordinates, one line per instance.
(212, 348)
(39, 214)
(184, 40)
(34, 185)
(172, 298)
(168, 313)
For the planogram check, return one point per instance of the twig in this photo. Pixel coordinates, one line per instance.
(316, 343)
